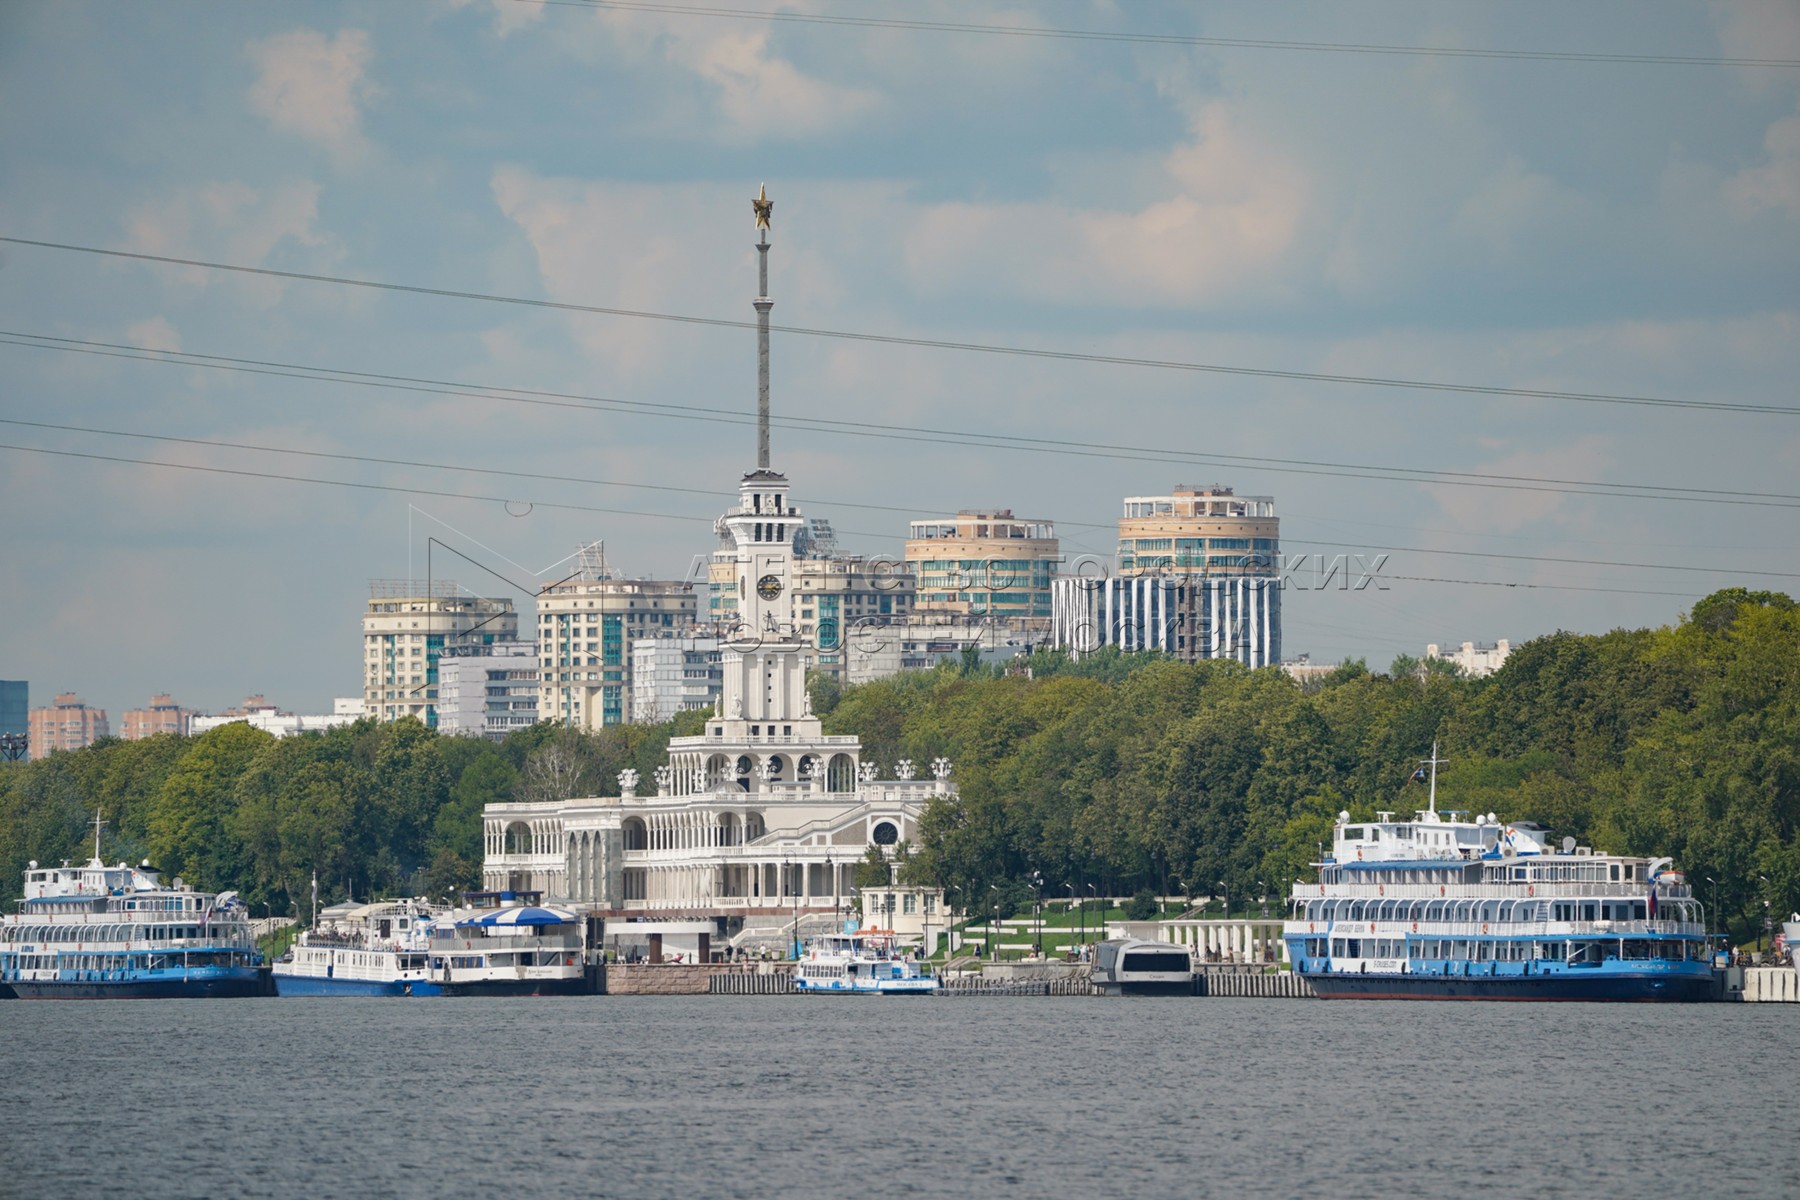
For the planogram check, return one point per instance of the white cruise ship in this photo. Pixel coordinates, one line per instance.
(1443, 907)
(377, 949)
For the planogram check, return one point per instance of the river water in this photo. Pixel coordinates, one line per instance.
(816, 1096)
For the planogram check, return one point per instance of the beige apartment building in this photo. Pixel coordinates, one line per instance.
(161, 715)
(1199, 531)
(66, 724)
(406, 626)
(585, 627)
(984, 562)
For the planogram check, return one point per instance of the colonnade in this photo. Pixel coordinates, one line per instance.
(1228, 940)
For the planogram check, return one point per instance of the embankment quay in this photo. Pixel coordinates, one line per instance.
(1750, 985)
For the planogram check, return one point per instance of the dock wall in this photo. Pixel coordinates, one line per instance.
(1279, 985)
(1771, 985)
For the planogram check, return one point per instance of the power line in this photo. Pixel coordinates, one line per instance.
(1581, 562)
(369, 459)
(1173, 39)
(927, 435)
(1505, 583)
(935, 343)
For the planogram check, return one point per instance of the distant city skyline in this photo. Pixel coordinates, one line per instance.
(1606, 252)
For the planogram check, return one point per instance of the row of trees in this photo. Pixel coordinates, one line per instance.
(374, 809)
(1120, 772)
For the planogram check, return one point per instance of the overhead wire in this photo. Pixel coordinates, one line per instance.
(1168, 39)
(1017, 442)
(415, 463)
(932, 343)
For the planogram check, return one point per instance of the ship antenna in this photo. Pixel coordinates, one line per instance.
(1431, 801)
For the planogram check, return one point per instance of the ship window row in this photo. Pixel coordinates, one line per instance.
(101, 962)
(112, 933)
(1574, 952)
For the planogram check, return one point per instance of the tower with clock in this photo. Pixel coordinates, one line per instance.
(758, 822)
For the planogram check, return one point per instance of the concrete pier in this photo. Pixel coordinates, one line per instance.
(1771, 985)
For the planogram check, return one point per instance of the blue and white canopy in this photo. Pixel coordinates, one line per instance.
(526, 915)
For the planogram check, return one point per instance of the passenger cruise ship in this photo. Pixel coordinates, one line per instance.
(99, 932)
(862, 962)
(1442, 907)
(378, 949)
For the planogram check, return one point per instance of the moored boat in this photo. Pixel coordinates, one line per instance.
(1133, 967)
(863, 962)
(508, 944)
(376, 949)
(1442, 907)
(100, 932)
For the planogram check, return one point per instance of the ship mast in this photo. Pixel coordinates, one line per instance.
(1433, 761)
(99, 823)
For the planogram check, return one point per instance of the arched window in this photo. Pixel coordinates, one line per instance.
(636, 836)
(840, 776)
(518, 838)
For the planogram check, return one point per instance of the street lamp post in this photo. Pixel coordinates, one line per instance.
(1037, 887)
(1095, 893)
(1713, 913)
(994, 926)
(1226, 888)
(1071, 890)
(787, 868)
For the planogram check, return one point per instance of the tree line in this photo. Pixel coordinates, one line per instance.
(1127, 772)
(1118, 773)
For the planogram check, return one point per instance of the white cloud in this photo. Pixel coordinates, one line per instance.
(232, 221)
(314, 87)
(1235, 212)
(153, 334)
(1768, 29)
(759, 95)
(1774, 184)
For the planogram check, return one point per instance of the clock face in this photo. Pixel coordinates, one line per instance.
(768, 587)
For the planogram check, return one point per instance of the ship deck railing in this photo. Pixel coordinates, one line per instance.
(1377, 888)
(1475, 929)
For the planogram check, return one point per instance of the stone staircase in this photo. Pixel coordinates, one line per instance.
(777, 934)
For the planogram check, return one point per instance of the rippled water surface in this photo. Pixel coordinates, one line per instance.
(811, 1096)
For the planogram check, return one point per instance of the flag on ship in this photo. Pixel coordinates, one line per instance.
(1419, 775)
(1653, 880)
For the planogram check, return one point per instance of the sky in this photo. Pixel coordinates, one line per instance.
(1579, 225)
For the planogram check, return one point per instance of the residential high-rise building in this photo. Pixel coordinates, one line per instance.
(1198, 577)
(674, 674)
(161, 715)
(487, 691)
(1199, 531)
(585, 627)
(984, 562)
(15, 719)
(1189, 617)
(406, 627)
(67, 724)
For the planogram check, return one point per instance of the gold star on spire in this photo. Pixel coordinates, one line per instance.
(762, 206)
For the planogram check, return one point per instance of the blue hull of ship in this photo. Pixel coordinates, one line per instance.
(299, 985)
(1662, 988)
(220, 984)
